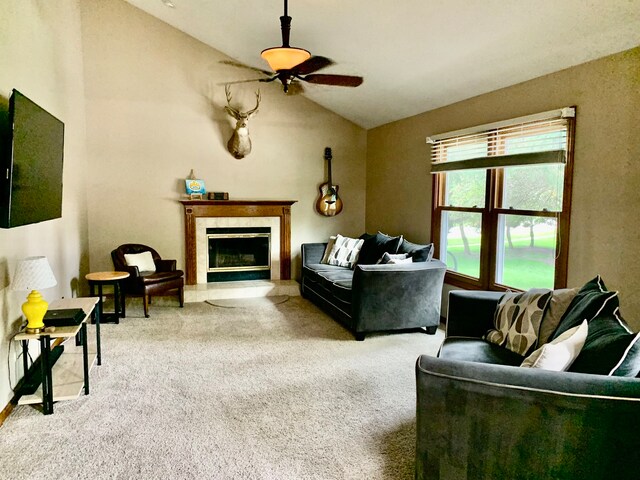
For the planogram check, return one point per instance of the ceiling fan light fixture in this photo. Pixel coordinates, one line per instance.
(284, 58)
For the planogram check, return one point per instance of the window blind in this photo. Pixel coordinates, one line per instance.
(526, 141)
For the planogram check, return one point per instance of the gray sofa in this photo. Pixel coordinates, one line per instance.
(372, 298)
(480, 416)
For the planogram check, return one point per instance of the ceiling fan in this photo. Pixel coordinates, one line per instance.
(290, 65)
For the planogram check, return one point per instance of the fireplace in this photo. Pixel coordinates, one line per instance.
(238, 253)
(201, 215)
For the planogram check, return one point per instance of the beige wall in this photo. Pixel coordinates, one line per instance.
(155, 111)
(41, 55)
(606, 191)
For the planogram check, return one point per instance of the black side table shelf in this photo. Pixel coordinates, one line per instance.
(63, 381)
(99, 279)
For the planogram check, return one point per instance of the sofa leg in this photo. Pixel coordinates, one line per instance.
(431, 330)
(181, 296)
(359, 337)
(146, 302)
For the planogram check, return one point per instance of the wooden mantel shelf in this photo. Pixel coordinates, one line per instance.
(236, 208)
(238, 202)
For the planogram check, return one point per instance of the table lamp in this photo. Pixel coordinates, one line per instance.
(33, 273)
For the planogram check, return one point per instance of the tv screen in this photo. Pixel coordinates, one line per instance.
(31, 164)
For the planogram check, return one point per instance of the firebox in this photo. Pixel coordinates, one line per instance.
(238, 253)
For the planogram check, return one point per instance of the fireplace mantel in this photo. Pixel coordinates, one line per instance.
(236, 208)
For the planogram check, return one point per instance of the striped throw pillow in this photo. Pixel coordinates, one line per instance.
(345, 251)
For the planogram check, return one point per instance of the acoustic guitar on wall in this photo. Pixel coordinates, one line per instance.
(329, 203)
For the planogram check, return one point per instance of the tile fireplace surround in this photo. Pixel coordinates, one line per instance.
(202, 214)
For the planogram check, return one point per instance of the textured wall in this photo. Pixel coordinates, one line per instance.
(41, 55)
(606, 189)
(155, 111)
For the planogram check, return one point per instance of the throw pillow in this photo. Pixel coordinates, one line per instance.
(375, 246)
(610, 348)
(394, 258)
(517, 320)
(592, 298)
(144, 261)
(559, 354)
(419, 253)
(345, 251)
(327, 249)
(559, 303)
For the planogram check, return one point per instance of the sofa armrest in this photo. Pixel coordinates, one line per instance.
(471, 312)
(312, 252)
(402, 295)
(478, 420)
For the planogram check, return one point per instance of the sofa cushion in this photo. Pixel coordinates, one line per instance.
(419, 253)
(592, 299)
(559, 354)
(341, 290)
(610, 348)
(374, 246)
(345, 251)
(328, 278)
(321, 267)
(477, 350)
(518, 319)
(558, 305)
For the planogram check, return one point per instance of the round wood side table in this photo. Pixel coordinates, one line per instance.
(99, 279)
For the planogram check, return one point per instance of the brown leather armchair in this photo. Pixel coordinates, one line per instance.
(165, 279)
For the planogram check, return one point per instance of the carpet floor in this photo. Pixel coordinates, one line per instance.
(205, 392)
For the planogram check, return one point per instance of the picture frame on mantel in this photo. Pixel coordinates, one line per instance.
(195, 187)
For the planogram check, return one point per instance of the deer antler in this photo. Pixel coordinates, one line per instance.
(232, 111)
(251, 112)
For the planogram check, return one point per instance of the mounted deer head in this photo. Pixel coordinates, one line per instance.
(239, 145)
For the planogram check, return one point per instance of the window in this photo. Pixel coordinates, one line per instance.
(501, 202)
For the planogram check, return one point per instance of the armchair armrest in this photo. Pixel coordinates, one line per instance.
(312, 252)
(165, 265)
(403, 295)
(471, 312)
(133, 271)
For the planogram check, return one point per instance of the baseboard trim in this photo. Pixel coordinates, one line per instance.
(6, 411)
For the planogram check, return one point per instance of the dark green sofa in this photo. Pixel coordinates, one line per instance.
(373, 298)
(480, 416)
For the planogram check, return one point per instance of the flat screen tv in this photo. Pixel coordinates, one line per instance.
(31, 161)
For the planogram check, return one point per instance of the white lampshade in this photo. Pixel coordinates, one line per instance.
(33, 273)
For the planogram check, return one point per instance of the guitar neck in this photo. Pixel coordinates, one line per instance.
(327, 157)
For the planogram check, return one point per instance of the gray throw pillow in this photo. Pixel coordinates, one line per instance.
(419, 253)
(560, 301)
(375, 246)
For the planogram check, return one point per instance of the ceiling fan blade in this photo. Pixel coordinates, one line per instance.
(240, 65)
(337, 80)
(245, 81)
(311, 65)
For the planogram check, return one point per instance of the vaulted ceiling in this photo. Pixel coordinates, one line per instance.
(415, 55)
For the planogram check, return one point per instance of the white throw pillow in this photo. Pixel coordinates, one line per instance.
(327, 250)
(559, 354)
(394, 258)
(345, 251)
(144, 261)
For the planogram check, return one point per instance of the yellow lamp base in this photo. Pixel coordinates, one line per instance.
(34, 309)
